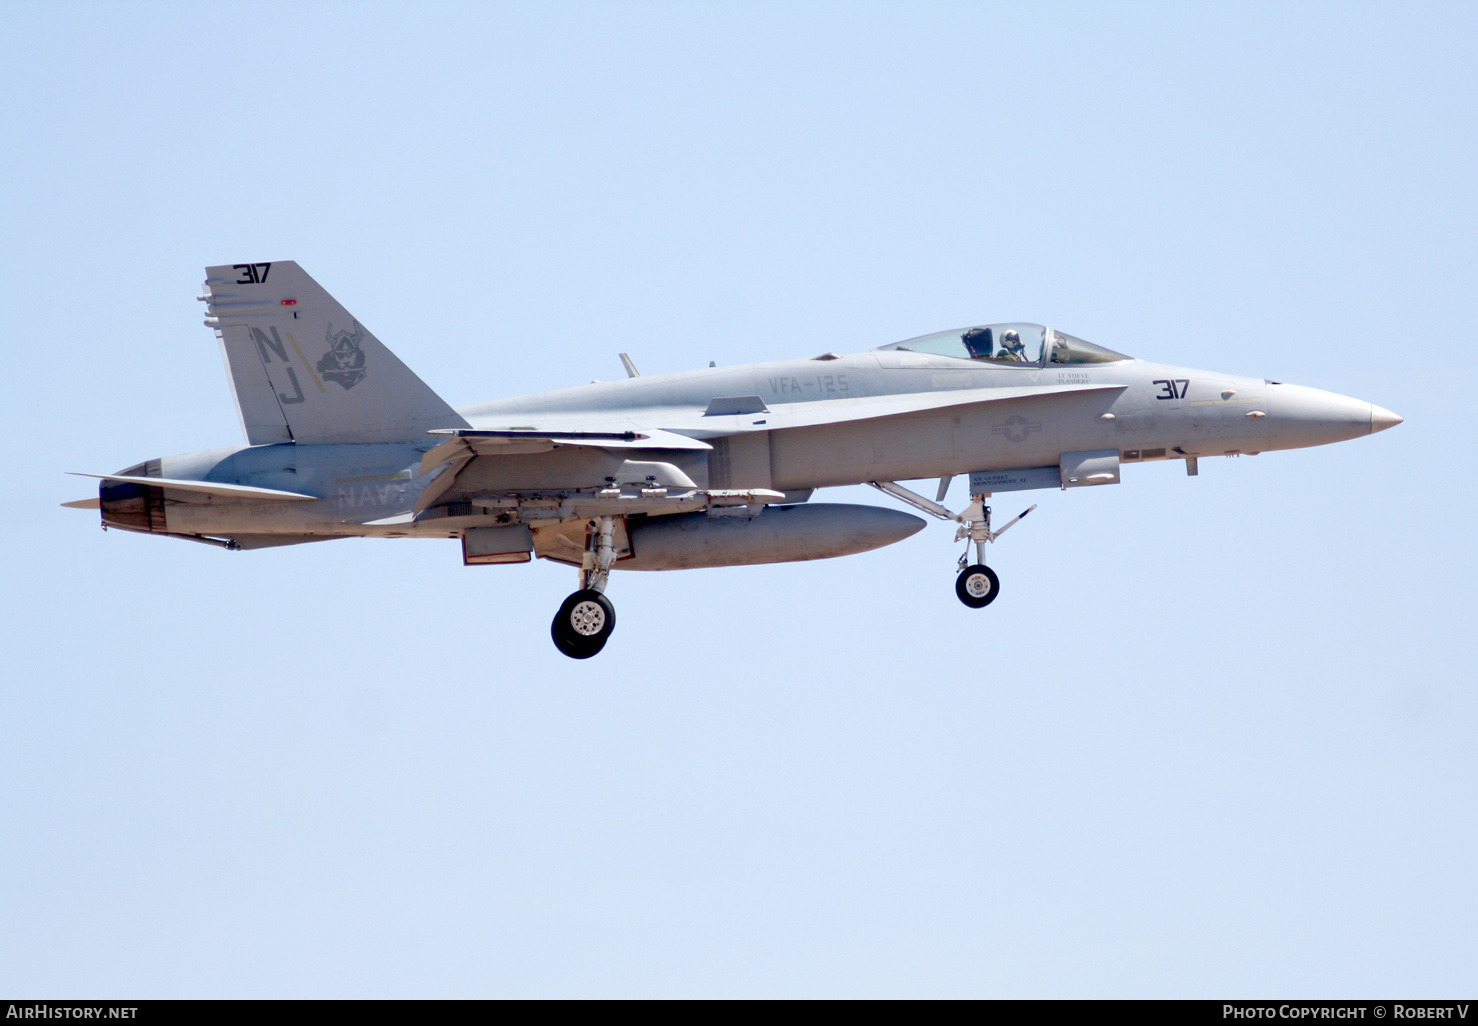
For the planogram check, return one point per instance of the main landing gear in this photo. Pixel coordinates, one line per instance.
(977, 584)
(585, 621)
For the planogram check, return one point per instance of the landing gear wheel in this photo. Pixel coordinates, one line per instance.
(977, 586)
(583, 624)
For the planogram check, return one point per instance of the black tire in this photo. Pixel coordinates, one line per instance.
(583, 624)
(977, 586)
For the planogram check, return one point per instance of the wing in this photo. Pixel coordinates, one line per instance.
(685, 426)
(836, 411)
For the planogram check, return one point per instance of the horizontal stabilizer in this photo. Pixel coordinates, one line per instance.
(228, 491)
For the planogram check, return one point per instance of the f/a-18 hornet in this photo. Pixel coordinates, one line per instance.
(703, 468)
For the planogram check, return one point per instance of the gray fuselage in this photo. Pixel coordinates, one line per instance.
(806, 433)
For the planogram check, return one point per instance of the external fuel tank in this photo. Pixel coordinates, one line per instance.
(779, 534)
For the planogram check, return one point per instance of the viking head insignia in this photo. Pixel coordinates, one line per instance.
(344, 361)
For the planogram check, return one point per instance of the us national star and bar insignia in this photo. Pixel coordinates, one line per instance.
(1016, 428)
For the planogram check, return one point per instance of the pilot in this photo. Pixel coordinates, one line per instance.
(977, 343)
(1011, 348)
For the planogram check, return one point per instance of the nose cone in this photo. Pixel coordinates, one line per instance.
(1381, 418)
(1300, 416)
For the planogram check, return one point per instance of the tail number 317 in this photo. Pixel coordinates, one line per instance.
(251, 274)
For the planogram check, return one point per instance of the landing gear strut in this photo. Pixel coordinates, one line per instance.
(586, 619)
(977, 584)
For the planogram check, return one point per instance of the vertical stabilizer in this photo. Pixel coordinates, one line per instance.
(302, 369)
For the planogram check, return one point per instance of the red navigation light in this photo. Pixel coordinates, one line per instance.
(289, 302)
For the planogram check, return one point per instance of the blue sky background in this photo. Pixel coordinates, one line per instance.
(1215, 738)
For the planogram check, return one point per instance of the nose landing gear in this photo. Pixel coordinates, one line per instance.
(977, 584)
(586, 619)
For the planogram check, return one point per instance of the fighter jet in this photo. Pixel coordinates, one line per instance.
(703, 468)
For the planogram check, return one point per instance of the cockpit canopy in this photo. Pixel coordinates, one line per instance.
(1009, 344)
